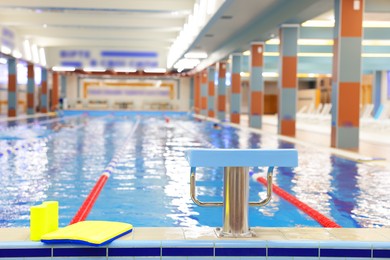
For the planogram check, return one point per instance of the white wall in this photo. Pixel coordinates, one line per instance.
(71, 89)
(180, 103)
(384, 90)
(184, 99)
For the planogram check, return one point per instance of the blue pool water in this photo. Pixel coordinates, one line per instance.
(150, 185)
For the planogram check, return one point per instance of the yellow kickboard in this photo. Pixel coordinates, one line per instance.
(94, 233)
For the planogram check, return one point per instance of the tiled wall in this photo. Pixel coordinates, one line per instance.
(201, 250)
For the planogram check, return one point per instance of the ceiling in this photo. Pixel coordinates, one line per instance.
(153, 25)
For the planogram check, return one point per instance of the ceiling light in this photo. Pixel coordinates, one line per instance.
(196, 55)
(315, 54)
(60, 68)
(5, 49)
(376, 42)
(186, 64)
(246, 53)
(271, 54)
(97, 69)
(272, 42)
(27, 50)
(318, 23)
(3, 61)
(330, 23)
(35, 53)
(125, 70)
(376, 24)
(17, 54)
(376, 55)
(308, 42)
(315, 42)
(270, 74)
(155, 70)
(42, 56)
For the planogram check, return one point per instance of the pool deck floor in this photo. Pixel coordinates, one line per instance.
(208, 233)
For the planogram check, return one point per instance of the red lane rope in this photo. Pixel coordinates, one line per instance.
(87, 205)
(84, 210)
(317, 216)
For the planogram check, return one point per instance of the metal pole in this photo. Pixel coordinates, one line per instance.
(236, 202)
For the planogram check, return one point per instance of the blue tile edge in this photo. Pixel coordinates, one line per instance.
(201, 248)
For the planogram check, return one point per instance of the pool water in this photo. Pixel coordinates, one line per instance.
(150, 185)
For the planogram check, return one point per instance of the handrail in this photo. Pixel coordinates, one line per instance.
(87, 205)
(269, 190)
(220, 204)
(193, 193)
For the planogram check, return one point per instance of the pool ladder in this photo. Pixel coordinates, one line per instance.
(236, 182)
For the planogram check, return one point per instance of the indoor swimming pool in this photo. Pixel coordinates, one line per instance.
(61, 159)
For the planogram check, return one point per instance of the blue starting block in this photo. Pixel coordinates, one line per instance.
(236, 163)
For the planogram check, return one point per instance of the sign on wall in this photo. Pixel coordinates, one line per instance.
(130, 93)
(7, 38)
(82, 58)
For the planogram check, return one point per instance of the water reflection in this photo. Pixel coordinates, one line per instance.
(150, 186)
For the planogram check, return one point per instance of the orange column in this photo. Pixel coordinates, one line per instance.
(288, 81)
(211, 92)
(221, 102)
(197, 93)
(256, 98)
(44, 92)
(235, 99)
(30, 89)
(203, 93)
(12, 88)
(54, 92)
(346, 73)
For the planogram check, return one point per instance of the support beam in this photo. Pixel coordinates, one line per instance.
(346, 74)
(288, 81)
(256, 97)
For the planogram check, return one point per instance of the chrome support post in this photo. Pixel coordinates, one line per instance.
(235, 200)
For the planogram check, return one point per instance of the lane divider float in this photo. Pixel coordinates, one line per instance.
(87, 205)
(317, 216)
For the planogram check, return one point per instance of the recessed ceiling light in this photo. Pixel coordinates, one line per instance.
(155, 70)
(125, 70)
(94, 69)
(196, 55)
(60, 68)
